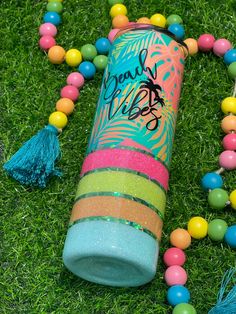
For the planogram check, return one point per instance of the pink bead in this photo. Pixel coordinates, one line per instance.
(70, 92)
(48, 29)
(229, 141)
(175, 275)
(46, 42)
(205, 42)
(112, 34)
(174, 256)
(131, 23)
(221, 46)
(227, 160)
(76, 79)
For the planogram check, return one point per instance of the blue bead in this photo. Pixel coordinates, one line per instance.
(52, 17)
(211, 181)
(177, 30)
(178, 294)
(230, 56)
(230, 236)
(87, 69)
(103, 45)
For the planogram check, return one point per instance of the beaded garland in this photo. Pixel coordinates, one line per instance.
(94, 57)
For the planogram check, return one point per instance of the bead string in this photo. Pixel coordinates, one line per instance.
(92, 58)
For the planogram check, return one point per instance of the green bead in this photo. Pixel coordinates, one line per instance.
(112, 2)
(100, 62)
(232, 70)
(218, 198)
(174, 19)
(54, 7)
(89, 52)
(217, 229)
(184, 308)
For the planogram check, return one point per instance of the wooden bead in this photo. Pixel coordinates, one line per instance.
(65, 105)
(56, 54)
(228, 124)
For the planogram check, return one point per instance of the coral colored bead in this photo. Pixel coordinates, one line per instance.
(180, 238)
(206, 42)
(118, 9)
(217, 229)
(58, 119)
(174, 256)
(70, 92)
(46, 42)
(144, 20)
(73, 57)
(184, 308)
(52, 17)
(103, 45)
(228, 105)
(232, 198)
(228, 124)
(192, 46)
(229, 141)
(221, 46)
(227, 159)
(211, 180)
(218, 198)
(175, 275)
(230, 236)
(197, 227)
(158, 20)
(56, 54)
(230, 56)
(120, 21)
(48, 29)
(112, 34)
(65, 105)
(76, 79)
(177, 30)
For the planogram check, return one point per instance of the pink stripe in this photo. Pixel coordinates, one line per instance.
(128, 159)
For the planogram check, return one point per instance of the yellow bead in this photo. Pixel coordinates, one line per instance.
(55, 0)
(228, 105)
(158, 20)
(118, 9)
(73, 57)
(58, 119)
(232, 199)
(144, 20)
(197, 227)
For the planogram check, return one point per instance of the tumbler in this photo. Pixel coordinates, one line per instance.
(116, 222)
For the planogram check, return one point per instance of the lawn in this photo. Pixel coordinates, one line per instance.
(34, 222)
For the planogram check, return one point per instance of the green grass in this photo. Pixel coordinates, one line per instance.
(34, 222)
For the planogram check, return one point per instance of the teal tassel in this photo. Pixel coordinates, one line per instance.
(33, 163)
(226, 305)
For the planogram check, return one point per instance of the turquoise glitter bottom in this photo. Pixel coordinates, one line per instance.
(110, 253)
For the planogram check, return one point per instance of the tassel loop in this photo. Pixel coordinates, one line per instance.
(34, 163)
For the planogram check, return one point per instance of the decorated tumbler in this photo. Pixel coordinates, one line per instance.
(116, 222)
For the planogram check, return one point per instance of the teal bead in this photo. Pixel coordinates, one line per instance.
(112, 2)
(232, 70)
(218, 198)
(54, 7)
(100, 62)
(89, 52)
(174, 19)
(184, 308)
(217, 229)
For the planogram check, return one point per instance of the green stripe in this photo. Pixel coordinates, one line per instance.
(141, 174)
(122, 195)
(117, 220)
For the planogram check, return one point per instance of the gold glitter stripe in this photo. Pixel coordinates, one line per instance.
(118, 194)
(117, 220)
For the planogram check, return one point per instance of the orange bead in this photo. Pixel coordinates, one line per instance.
(56, 54)
(228, 124)
(120, 21)
(192, 46)
(180, 238)
(65, 105)
(144, 20)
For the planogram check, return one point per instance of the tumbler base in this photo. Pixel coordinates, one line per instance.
(110, 253)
